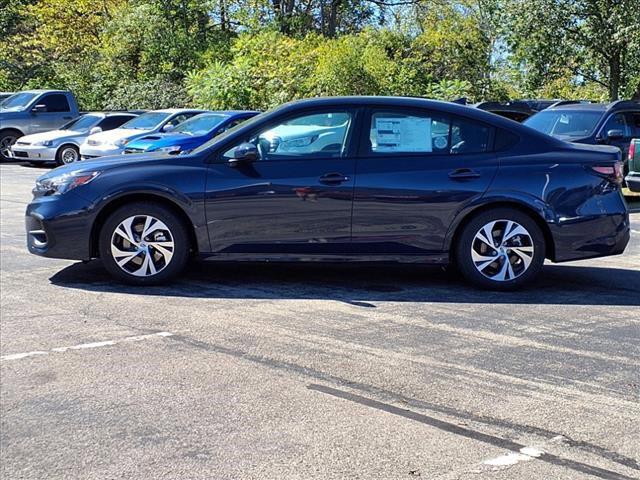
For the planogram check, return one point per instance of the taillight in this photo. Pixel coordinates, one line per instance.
(632, 151)
(612, 172)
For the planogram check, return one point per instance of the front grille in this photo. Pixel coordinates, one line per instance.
(133, 150)
(20, 154)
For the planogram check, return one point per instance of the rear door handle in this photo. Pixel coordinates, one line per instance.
(333, 179)
(67, 118)
(463, 173)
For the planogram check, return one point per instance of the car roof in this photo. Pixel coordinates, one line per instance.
(43, 90)
(180, 110)
(599, 107)
(418, 102)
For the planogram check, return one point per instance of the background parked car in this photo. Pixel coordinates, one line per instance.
(614, 124)
(63, 145)
(190, 134)
(633, 179)
(5, 95)
(114, 142)
(34, 111)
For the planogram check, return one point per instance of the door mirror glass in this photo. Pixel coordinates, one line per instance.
(40, 108)
(615, 134)
(168, 127)
(244, 153)
(95, 130)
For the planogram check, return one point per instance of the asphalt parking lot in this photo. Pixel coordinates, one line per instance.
(307, 371)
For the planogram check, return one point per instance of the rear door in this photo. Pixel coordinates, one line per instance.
(296, 198)
(417, 170)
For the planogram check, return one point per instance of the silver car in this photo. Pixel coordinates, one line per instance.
(62, 146)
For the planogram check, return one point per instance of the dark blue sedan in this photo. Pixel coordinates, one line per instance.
(351, 179)
(190, 134)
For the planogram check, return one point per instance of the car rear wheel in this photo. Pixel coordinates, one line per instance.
(501, 249)
(67, 154)
(144, 244)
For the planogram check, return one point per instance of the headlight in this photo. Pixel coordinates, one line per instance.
(174, 149)
(45, 143)
(63, 183)
(300, 142)
(122, 142)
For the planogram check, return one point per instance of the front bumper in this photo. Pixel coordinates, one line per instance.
(93, 151)
(633, 181)
(59, 226)
(33, 153)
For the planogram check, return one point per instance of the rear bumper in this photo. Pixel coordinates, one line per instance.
(578, 239)
(59, 227)
(633, 181)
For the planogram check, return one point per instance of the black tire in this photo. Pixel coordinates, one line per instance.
(62, 155)
(177, 232)
(7, 138)
(521, 273)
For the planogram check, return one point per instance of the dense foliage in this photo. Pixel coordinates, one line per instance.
(260, 53)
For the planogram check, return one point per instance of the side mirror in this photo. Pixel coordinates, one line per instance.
(167, 128)
(244, 153)
(615, 134)
(95, 130)
(39, 109)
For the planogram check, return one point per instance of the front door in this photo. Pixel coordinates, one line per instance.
(295, 199)
(58, 112)
(416, 172)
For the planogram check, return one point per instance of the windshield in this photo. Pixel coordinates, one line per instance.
(18, 102)
(200, 124)
(147, 121)
(85, 122)
(564, 122)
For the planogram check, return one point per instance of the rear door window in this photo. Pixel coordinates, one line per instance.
(392, 132)
(114, 121)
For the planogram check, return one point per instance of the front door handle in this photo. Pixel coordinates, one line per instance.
(463, 173)
(333, 179)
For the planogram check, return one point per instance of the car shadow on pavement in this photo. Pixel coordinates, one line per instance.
(359, 284)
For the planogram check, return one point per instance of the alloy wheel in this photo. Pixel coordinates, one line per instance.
(142, 245)
(5, 144)
(502, 250)
(69, 155)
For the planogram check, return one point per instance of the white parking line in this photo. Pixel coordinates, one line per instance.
(511, 458)
(82, 346)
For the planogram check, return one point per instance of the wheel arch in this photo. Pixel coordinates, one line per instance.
(463, 218)
(115, 203)
(12, 129)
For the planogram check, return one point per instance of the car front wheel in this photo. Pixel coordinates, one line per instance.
(501, 249)
(144, 244)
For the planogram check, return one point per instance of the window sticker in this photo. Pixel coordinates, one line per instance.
(407, 134)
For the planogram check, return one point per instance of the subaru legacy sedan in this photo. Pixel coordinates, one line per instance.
(343, 179)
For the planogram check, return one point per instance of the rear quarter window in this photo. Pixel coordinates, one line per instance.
(505, 140)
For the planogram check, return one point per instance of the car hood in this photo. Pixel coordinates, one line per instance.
(112, 136)
(104, 163)
(159, 140)
(51, 135)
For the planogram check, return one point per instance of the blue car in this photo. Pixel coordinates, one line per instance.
(190, 134)
(350, 179)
